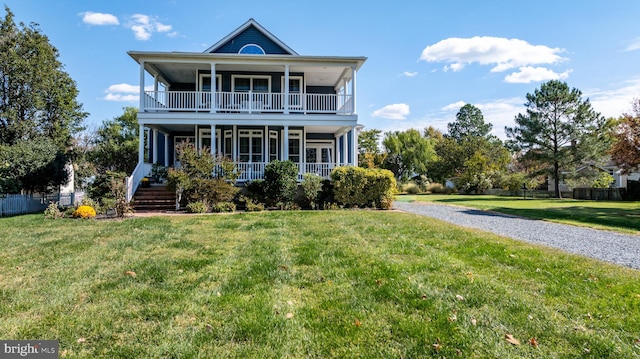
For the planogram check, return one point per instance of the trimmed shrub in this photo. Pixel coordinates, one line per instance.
(280, 182)
(84, 212)
(221, 207)
(411, 188)
(197, 207)
(53, 211)
(251, 206)
(255, 190)
(311, 187)
(359, 187)
(437, 188)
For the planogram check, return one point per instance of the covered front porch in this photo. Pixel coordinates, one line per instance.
(314, 149)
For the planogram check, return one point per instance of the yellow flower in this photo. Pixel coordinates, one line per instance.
(84, 212)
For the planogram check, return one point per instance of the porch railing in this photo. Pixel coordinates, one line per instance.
(247, 102)
(132, 182)
(255, 170)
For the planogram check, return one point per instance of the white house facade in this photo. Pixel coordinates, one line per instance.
(251, 98)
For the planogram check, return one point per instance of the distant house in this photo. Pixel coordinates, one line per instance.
(620, 180)
(249, 97)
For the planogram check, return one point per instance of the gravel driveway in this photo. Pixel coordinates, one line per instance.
(608, 246)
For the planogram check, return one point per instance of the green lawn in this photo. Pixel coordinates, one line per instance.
(370, 284)
(617, 216)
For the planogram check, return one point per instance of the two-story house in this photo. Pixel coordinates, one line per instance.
(249, 97)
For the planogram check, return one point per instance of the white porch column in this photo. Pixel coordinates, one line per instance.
(285, 139)
(234, 145)
(166, 149)
(214, 84)
(338, 149)
(214, 148)
(155, 146)
(353, 89)
(142, 86)
(354, 146)
(286, 89)
(141, 144)
(265, 145)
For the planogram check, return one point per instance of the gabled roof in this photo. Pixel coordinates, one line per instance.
(244, 27)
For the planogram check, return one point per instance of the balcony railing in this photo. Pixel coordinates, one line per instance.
(247, 102)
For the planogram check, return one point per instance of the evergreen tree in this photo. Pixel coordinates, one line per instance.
(558, 131)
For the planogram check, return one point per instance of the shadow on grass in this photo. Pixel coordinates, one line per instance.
(628, 219)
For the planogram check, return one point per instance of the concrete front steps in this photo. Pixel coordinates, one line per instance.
(156, 198)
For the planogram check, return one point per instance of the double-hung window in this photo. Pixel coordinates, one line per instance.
(250, 145)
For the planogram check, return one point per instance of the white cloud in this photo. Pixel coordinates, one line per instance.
(143, 26)
(409, 74)
(615, 100)
(118, 97)
(98, 18)
(501, 53)
(396, 111)
(124, 92)
(530, 74)
(126, 88)
(454, 106)
(633, 45)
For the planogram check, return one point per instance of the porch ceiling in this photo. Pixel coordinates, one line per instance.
(185, 128)
(187, 72)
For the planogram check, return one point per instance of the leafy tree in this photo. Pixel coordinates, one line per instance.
(625, 152)
(469, 123)
(116, 143)
(33, 165)
(433, 133)
(559, 130)
(369, 154)
(37, 102)
(408, 153)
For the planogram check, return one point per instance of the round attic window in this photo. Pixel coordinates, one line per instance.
(252, 49)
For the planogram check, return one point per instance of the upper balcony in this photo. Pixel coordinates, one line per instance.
(247, 102)
(224, 83)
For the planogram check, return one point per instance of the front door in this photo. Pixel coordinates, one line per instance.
(319, 153)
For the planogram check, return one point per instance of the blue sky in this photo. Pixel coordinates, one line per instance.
(425, 58)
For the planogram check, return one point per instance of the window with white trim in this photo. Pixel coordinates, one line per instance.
(250, 145)
(228, 144)
(273, 145)
(295, 145)
(245, 83)
(204, 83)
(251, 49)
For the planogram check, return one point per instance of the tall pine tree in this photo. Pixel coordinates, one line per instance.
(559, 130)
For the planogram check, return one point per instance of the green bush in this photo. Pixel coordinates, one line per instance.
(437, 188)
(197, 207)
(359, 187)
(280, 182)
(214, 190)
(222, 207)
(202, 177)
(311, 187)
(251, 206)
(411, 188)
(255, 190)
(53, 211)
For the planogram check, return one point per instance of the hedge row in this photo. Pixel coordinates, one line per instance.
(362, 187)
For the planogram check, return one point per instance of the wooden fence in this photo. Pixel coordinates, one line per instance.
(599, 194)
(13, 204)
